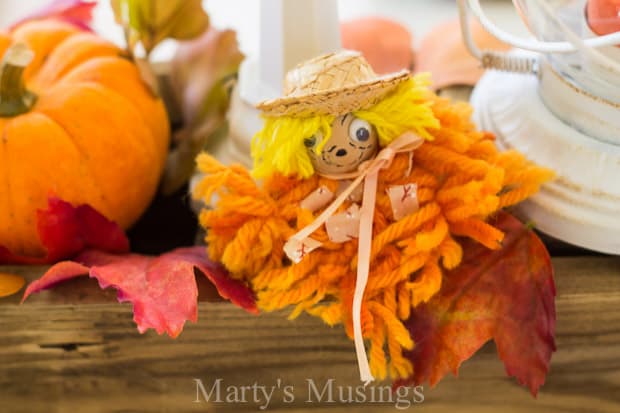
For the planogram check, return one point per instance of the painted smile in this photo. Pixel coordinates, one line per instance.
(329, 161)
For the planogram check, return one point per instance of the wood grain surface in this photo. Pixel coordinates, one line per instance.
(87, 356)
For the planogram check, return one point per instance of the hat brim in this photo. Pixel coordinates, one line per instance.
(335, 102)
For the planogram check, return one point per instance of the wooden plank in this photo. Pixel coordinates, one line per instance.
(89, 358)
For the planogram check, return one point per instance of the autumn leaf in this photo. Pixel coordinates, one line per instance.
(162, 289)
(200, 69)
(66, 230)
(505, 295)
(151, 21)
(202, 74)
(76, 12)
(10, 284)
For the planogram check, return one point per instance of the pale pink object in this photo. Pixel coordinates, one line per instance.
(404, 200)
(345, 226)
(444, 54)
(386, 44)
(603, 16)
(297, 249)
(317, 199)
(355, 196)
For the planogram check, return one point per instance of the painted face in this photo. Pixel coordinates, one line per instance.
(353, 141)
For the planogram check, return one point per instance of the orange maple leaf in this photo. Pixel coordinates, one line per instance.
(505, 295)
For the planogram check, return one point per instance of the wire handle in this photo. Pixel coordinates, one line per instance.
(506, 62)
(519, 64)
(490, 59)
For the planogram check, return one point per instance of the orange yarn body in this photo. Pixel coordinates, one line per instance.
(462, 179)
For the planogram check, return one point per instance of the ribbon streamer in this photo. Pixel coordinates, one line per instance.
(369, 173)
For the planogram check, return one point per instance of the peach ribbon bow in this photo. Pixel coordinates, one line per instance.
(301, 244)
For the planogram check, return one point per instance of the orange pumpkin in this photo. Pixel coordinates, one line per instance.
(93, 133)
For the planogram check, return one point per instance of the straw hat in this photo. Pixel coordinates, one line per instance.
(333, 84)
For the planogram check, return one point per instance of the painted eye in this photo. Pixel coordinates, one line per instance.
(313, 140)
(359, 130)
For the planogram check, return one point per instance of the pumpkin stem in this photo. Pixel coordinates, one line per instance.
(15, 99)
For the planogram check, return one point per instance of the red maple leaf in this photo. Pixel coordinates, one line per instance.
(65, 230)
(162, 289)
(505, 295)
(77, 12)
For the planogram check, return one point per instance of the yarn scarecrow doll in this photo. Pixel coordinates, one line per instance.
(367, 183)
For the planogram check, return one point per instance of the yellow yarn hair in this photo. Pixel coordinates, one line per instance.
(462, 179)
(279, 146)
(406, 109)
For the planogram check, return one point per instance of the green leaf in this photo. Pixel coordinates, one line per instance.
(152, 21)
